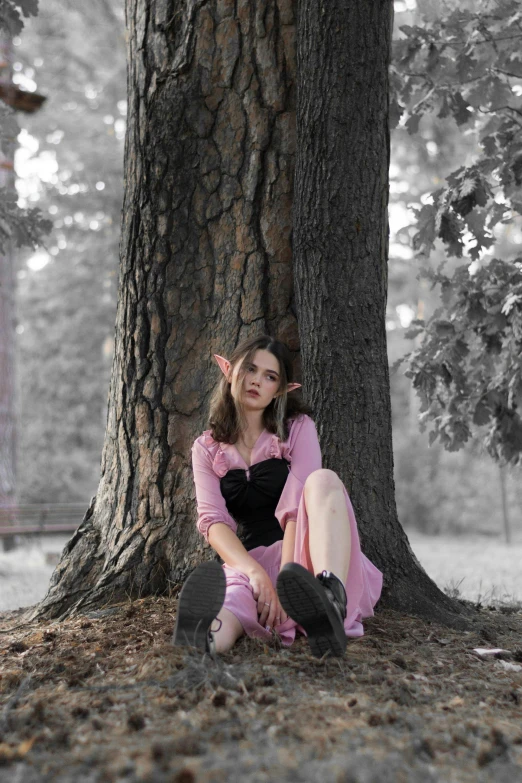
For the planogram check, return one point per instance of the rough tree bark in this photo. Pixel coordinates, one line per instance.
(340, 247)
(206, 260)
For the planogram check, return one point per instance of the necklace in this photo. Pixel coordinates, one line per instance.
(248, 446)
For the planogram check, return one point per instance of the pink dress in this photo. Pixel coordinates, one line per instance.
(211, 460)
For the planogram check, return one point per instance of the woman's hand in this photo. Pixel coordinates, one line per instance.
(269, 609)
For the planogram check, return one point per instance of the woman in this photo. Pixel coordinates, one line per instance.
(259, 467)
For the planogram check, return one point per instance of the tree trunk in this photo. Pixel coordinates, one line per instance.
(503, 498)
(340, 247)
(7, 329)
(206, 261)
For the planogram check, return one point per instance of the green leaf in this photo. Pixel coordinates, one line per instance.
(424, 239)
(29, 7)
(461, 109)
(412, 123)
(413, 332)
(466, 65)
(450, 231)
(443, 328)
(482, 414)
(396, 112)
(490, 144)
(11, 12)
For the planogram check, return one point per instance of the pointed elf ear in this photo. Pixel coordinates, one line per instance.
(290, 388)
(223, 363)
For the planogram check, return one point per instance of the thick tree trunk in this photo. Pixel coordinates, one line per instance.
(340, 250)
(205, 261)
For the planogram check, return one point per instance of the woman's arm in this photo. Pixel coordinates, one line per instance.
(229, 547)
(211, 504)
(287, 552)
(219, 528)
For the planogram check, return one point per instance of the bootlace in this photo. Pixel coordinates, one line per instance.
(329, 582)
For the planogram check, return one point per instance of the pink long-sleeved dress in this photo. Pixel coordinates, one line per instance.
(271, 488)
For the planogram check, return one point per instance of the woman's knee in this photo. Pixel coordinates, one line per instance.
(322, 480)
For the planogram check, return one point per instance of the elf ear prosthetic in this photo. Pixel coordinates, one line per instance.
(224, 364)
(225, 368)
(292, 387)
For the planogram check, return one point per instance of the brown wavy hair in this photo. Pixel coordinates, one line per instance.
(226, 416)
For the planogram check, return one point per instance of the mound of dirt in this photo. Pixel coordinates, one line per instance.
(106, 697)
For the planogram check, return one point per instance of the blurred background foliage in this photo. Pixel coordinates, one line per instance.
(464, 63)
(70, 165)
(453, 311)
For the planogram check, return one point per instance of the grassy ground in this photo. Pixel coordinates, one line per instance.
(105, 697)
(478, 568)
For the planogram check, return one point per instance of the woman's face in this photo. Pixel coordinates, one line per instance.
(262, 376)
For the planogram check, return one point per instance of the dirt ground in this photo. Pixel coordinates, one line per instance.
(105, 697)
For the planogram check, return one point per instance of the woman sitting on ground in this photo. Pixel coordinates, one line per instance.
(258, 472)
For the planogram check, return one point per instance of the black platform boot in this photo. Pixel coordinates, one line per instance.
(335, 591)
(318, 604)
(199, 602)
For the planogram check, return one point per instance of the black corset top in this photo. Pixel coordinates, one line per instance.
(252, 497)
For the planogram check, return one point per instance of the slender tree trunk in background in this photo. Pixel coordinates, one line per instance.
(7, 331)
(503, 496)
(340, 249)
(205, 262)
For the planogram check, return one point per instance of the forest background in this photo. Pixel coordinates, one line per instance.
(70, 165)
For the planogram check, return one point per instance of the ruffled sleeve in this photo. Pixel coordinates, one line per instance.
(219, 459)
(281, 450)
(303, 452)
(209, 463)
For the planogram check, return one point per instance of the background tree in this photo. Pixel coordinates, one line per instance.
(17, 228)
(70, 164)
(465, 63)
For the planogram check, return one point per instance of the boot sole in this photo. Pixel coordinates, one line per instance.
(304, 599)
(199, 602)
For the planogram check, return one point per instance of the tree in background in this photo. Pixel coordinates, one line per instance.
(70, 164)
(17, 228)
(465, 62)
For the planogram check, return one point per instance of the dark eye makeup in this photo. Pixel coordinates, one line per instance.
(253, 367)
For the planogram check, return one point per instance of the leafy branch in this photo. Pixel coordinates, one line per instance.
(23, 227)
(467, 369)
(11, 13)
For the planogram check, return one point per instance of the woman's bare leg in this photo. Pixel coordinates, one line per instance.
(329, 536)
(230, 631)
